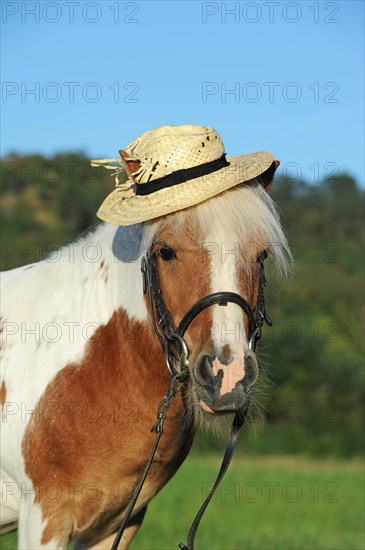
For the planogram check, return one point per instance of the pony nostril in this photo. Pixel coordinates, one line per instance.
(204, 370)
(251, 370)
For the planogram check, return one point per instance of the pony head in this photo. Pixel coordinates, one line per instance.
(214, 247)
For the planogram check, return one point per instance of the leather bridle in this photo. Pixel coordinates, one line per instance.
(162, 321)
(176, 353)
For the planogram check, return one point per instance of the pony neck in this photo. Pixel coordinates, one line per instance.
(108, 282)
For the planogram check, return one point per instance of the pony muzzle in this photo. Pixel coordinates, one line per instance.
(222, 387)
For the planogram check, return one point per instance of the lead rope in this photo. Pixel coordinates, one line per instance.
(238, 422)
(162, 409)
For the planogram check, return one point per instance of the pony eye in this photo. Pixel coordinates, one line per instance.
(167, 253)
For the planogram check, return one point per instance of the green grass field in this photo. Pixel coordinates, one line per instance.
(265, 503)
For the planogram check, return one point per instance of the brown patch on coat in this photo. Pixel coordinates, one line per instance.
(129, 533)
(226, 351)
(91, 427)
(89, 437)
(186, 280)
(2, 393)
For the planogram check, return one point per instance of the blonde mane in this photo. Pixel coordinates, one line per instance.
(244, 215)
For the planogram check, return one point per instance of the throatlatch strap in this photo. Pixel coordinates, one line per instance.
(237, 424)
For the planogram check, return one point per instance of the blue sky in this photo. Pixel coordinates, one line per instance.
(286, 77)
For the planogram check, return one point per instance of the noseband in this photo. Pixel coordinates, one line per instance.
(162, 321)
(177, 359)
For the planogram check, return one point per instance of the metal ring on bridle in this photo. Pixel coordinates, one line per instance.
(256, 335)
(184, 355)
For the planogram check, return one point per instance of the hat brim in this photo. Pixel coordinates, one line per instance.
(119, 208)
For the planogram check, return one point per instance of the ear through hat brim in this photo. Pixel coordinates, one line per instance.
(130, 165)
(267, 179)
(122, 208)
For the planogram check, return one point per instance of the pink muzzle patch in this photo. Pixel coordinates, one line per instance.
(232, 373)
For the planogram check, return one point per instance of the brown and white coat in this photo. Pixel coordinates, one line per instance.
(83, 372)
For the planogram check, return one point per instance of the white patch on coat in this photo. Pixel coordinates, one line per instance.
(31, 525)
(50, 311)
(227, 328)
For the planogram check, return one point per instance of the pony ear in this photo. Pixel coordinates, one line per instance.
(130, 165)
(267, 178)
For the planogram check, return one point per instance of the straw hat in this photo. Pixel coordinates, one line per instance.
(174, 167)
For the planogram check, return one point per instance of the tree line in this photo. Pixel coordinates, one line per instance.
(310, 391)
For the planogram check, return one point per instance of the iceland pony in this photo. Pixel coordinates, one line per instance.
(83, 369)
